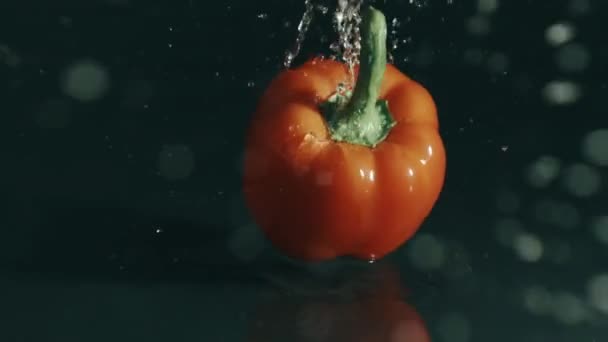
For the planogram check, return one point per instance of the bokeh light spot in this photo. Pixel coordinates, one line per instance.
(595, 147)
(558, 213)
(507, 229)
(580, 7)
(9, 57)
(85, 81)
(538, 300)
(478, 25)
(246, 243)
(561, 92)
(569, 309)
(454, 327)
(176, 162)
(559, 33)
(426, 252)
(558, 251)
(599, 228)
(498, 63)
(581, 180)
(597, 292)
(487, 6)
(528, 247)
(543, 171)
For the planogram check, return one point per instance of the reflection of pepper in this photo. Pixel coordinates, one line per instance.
(362, 311)
(358, 179)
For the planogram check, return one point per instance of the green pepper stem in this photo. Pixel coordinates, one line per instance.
(363, 119)
(372, 62)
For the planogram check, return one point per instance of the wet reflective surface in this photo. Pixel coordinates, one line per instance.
(123, 217)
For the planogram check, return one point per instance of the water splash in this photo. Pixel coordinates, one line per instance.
(346, 20)
(346, 23)
(423, 3)
(307, 17)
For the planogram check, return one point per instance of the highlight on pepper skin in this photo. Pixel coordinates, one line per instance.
(330, 174)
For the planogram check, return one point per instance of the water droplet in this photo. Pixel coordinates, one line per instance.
(395, 44)
(322, 9)
(419, 3)
(395, 23)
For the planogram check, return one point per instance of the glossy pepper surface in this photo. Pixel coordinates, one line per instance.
(331, 173)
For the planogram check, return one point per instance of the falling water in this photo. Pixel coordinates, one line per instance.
(346, 20)
(292, 53)
(346, 23)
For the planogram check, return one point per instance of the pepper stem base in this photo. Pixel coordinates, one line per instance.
(368, 126)
(361, 117)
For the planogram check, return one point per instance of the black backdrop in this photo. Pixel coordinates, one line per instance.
(129, 197)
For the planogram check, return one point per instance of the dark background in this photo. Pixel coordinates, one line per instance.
(123, 132)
